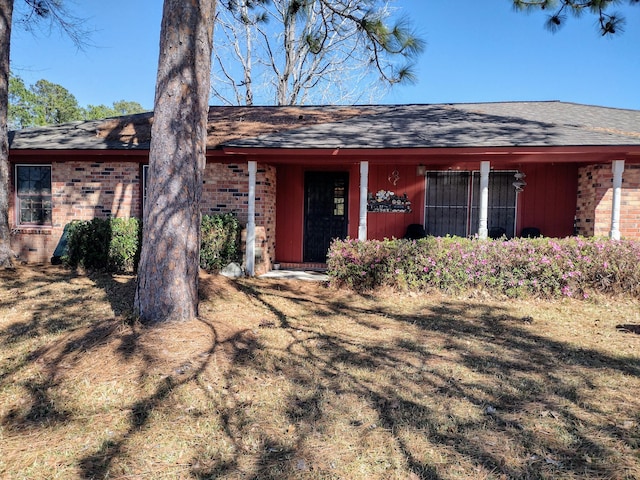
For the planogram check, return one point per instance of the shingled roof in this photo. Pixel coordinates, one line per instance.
(133, 132)
(533, 124)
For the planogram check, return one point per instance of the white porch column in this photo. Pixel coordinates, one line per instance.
(617, 167)
(483, 214)
(250, 249)
(364, 188)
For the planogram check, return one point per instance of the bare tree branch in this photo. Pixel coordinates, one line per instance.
(297, 43)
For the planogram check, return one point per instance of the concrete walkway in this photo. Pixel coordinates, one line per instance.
(308, 275)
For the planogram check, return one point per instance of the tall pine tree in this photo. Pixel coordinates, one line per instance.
(167, 288)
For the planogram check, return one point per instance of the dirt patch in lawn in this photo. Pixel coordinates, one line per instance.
(284, 379)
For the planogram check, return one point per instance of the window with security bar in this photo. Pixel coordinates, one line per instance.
(453, 204)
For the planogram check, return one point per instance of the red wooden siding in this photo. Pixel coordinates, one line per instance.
(289, 213)
(387, 225)
(290, 207)
(548, 202)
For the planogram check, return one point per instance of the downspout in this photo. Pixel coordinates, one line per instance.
(364, 188)
(617, 167)
(483, 230)
(251, 221)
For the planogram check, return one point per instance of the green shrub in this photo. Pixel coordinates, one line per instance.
(103, 244)
(220, 242)
(124, 248)
(114, 244)
(542, 267)
(88, 243)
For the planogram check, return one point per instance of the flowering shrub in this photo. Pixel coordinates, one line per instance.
(544, 267)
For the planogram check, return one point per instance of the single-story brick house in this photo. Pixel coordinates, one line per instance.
(300, 176)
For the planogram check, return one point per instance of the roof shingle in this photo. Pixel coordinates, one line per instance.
(498, 124)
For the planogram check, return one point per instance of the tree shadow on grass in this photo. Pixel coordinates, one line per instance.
(629, 328)
(458, 384)
(515, 382)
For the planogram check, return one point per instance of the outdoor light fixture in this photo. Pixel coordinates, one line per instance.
(519, 184)
(421, 171)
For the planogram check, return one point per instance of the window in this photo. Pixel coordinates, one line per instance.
(145, 179)
(338, 200)
(453, 203)
(33, 192)
(501, 212)
(447, 203)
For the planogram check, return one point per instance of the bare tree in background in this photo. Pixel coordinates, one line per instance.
(167, 287)
(289, 52)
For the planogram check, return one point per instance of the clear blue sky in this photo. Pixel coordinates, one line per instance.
(477, 51)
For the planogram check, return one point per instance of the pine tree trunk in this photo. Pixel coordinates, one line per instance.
(167, 288)
(6, 14)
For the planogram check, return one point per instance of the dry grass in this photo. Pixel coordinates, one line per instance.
(294, 380)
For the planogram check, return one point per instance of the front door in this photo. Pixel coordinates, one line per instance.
(325, 214)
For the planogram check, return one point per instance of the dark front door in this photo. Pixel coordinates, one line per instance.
(325, 214)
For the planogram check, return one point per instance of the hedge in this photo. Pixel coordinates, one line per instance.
(544, 267)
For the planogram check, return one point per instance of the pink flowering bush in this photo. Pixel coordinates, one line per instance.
(543, 267)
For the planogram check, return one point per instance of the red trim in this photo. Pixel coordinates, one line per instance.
(457, 157)
(500, 155)
(36, 156)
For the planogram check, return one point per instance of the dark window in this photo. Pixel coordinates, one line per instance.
(33, 190)
(501, 214)
(447, 206)
(145, 180)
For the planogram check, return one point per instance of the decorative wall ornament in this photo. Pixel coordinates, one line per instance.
(394, 178)
(388, 201)
(519, 184)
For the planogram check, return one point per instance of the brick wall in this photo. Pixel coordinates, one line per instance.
(266, 212)
(595, 197)
(80, 190)
(226, 190)
(630, 204)
(83, 190)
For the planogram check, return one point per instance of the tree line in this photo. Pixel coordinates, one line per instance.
(47, 103)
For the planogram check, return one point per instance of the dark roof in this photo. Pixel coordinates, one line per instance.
(511, 124)
(502, 124)
(133, 132)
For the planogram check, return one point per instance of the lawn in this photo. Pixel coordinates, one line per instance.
(285, 379)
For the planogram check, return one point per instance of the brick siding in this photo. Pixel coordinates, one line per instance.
(80, 190)
(83, 191)
(595, 197)
(226, 190)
